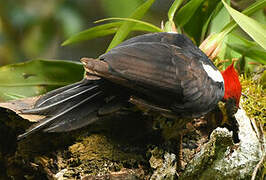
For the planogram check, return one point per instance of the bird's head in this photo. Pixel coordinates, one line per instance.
(231, 84)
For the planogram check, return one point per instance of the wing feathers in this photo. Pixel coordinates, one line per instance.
(147, 63)
(50, 95)
(48, 121)
(168, 69)
(69, 99)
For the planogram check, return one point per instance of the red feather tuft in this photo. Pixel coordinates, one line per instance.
(231, 83)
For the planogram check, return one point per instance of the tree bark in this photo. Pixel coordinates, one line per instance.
(127, 145)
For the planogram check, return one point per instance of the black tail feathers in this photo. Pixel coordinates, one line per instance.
(73, 106)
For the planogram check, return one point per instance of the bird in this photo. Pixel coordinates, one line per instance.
(162, 71)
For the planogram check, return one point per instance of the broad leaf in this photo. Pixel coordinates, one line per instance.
(170, 26)
(193, 28)
(253, 28)
(125, 29)
(119, 8)
(255, 53)
(36, 77)
(226, 52)
(221, 19)
(173, 8)
(247, 48)
(206, 24)
(186, 12)
(94, 32)
(250, 10)
(139, 24)
(103, 30)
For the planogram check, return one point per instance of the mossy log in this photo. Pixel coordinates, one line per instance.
(126, 145)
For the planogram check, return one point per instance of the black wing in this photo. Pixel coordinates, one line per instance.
(167, 70)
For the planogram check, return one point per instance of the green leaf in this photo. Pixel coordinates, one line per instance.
(173, 8)
(255, 53)
(193, 28)
(168, 26)
(206, 24)
(142, 24)
(186, 12)
(219, 21)
(253, 28)
(125, 29)
(36, 77)
(69, 19)
(226, 52)
(104, 30)
(119, 8)
(94, 32)
(250, 10)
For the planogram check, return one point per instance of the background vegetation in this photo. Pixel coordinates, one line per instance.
(36, 30)
(31, 29)
(69, 30)
(66, 30)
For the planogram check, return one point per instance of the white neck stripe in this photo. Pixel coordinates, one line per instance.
(214, 74)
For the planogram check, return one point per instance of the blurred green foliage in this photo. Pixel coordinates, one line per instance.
(200, 19)
(34, 29)
(31, 29)
(37, 77)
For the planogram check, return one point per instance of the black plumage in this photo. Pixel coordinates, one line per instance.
(165, 70)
